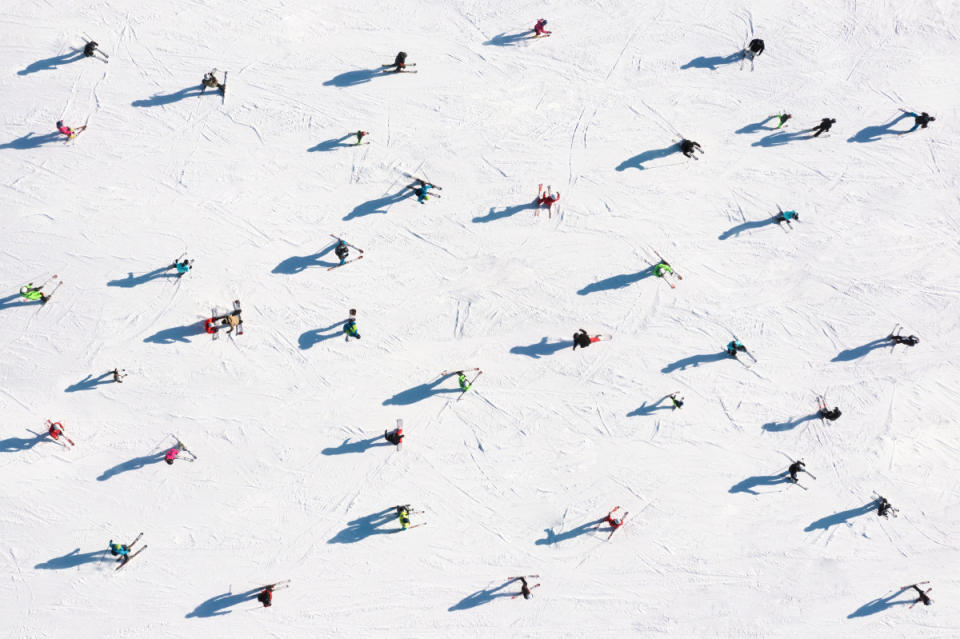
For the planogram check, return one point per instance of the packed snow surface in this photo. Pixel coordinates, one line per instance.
(291, 480)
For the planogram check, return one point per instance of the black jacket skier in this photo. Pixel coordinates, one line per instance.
(677, 401)
(266, 596)
(395, 436)
(832, 415)
(400, 62)
(923, 595)
(581, 339)
(687, 147)
(824, 126)
(342, 251)
(884, 507)
(910, 340)
(524, 588)
(756, 46)
(795, 468)
(91, 47)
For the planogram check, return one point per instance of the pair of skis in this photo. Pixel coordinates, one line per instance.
(403, 70)
(678, 276)
(63, 433)
(469, 384)
(130, 557)
(623, 520)
(50, 294)
(184, 449)
(354, 259)
(76, 132)
(789, 226)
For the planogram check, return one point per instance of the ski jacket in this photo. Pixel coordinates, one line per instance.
(63, 128)
(266, 598)
(662, 268)
(548, 200)
(350, 328)
(119, 549)
(342, 251)
(789, 215)
(756, 45)
(183, 267)
(541, 27)
(30, 293)
(89, 48)
(464, 386)
(210, 326)
(172, 454)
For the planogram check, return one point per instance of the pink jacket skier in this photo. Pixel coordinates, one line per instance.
(540, 28)
(171, 455)
(67, 131)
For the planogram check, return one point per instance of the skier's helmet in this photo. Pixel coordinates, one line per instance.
(59, 123)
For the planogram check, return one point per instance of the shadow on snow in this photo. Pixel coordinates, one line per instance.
(481, 597)
(161, 99)
(50, 64)
(508, 39)
(495, 215)
(295, 264)
(420, 392)
(378, 205)
(874, 133)
(553, 538)
(74, 559)
(541, 348)
(217, 606)
(855, 353)
(777, 427)
(652, 408)
(746, 226)
(713, 62)
(360, 529)
(90, 382)
(176, 334)
(353, 78)
(30, 142)
(616, 281)
(841, 518)
(308, 338)
(359, 446)
(637, 161)
(695, 360)
(131, 464)
(877, 605)
(748, 484)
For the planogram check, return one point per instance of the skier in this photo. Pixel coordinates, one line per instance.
(734, 347)
(615, 522)
(350, 328)
(89, 49)
(120, 550)
(360, 135)
(547, 198)
(210, 326)
(67, 131)
(884, 508)
(795, 468)
(832, 415)
(919, 121)
(395, 436)
(783, 117)
(677, 402)
(462, 381)
(210, 81)
(342, 251)
(403, 514)
(119, 374)
(266, 596)
(399, 63)
(786, 216)
(182, 267)
(823, 127)
(524, 588)
(583, 340)
(540, 29)
(55, 430)
(923, 595)
(234, 321)
(33, 293)
(662, 268)
(421, 189)
(172, 454)
(910, 340)
(755, 48)
(688, 147)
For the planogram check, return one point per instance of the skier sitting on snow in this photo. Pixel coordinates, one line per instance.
(795, 468)
(342, 251)
(266, 596)
(734, 347)
(33, 293)
(824, 126)
(399, 63)
(89, 49)
(540, 29)
(395, 436)
(421, 190)
(756, 47)
(786, 216)
(583, 340)
(687, 147)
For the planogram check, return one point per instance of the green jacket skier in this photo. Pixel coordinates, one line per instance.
(32, 293)
(462, 379)
(783, 117)
(662, 269)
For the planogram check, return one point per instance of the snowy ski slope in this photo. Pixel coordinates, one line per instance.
(291, 480)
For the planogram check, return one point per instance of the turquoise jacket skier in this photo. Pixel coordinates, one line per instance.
(734, 346)
(183, 267)
(118, 549)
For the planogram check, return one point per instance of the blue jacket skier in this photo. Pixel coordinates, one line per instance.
(734, 347)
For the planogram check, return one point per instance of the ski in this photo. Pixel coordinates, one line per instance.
(130, 545)
(359, 257)
(812, 476)
(623, 520)
(797, 484)
(87, 38)
(277, 586)
(223, 88)
(538, 576)
(401, 70)
(44, 302)
(236, 311)
(469, 385)
(347, 243)
(185, 449)
(414, 177)
(919, 583)
(388, 66)
(459, 370)
(130, 557)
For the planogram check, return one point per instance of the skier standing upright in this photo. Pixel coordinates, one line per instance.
(782, 117)
(796, 468)
(395, 436)
(923, 595)
(786, 216)
(266, 596)
(350, 326)
(118, 375)
(824, 126)
(210, 81)
(360, 135)
(67, 131)
(885, 508)
(34, 293)
(342, 251)
(755, 47)
(734, 347)
(547, 198)
(183, 267)
(420, 188)
(897, 338)
(89, 49)
(677, 401)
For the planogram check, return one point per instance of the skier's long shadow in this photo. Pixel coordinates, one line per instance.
(541, 348)
(308, 338)
(859, 351)
(50, 64)
(176, 334)
(217, 606)
(748, 484)
(378, 205)
(746, 226)
(161, 99)
(481, 597)
(877, 605)
(420, 392)
(352, 78)
(616, 281)
(779, 427)
(553, 538)
(15, 444)
(508, 39)
(360, 529)
(652, 408)
(694, 360)
(782, 137)
(874, 133)
(495, 215)
(131, 464)
(73, 559)
(637, 161)
(756, 126)
(132, 280)
(841, 517)
(295, 264)
(713, 62)
(332, 144)
(90, 382)
(30, 142)
(356, 446)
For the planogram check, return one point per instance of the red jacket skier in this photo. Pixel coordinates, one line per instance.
(55, 430)
(547, 198)
(541, 28)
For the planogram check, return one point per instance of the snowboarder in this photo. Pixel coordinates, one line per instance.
(832, 415)
(755, 47)
(210, 81)
(350, 326)
(67, 131)
(677, 402)
(547, 198)
(395, 436)
(786, 216)
(342, 251)
(919, 121)
(360, 135)
(734, 347)
(420, 188)
(34, 293)
(119, 374)
(89, 49)
(885, 508)
(399, 63)
(266, 596)
(524, 588)
(923, 594)
(897, 338)
(540, 29)
(688, 147)
(182, 267)
(824, 126)
(583, 340)
(783, 117)
(795, 468)
(403, 514)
